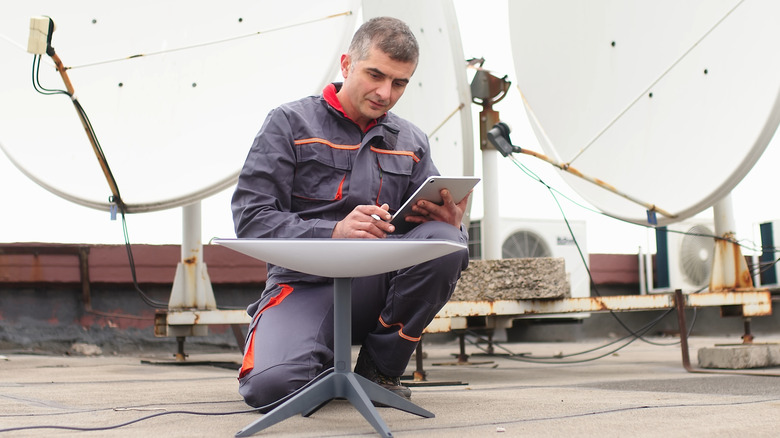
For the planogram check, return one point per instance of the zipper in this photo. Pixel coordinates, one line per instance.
(381, 176)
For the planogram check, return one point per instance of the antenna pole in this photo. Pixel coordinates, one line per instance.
(487, 90)
(729, 268)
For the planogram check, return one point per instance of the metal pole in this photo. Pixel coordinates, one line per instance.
(342, 324)
(729, 268)
(490, 220)
(491, 244)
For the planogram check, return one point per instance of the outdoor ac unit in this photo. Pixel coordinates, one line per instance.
(768, 275)
(684, 256)
(548, 238)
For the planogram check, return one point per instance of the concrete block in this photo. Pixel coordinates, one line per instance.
(740, 356)
(513, 279)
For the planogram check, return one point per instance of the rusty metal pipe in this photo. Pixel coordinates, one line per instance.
(90, 134)
(567, 168)
(419, 373)
(679, 302)
(747, 338)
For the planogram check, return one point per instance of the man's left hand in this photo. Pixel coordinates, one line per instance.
(449, 212)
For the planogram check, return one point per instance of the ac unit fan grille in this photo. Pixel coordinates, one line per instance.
(524, 244)
(696, 252)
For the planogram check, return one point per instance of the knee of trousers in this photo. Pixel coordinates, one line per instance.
(268, 386)
(458, 260)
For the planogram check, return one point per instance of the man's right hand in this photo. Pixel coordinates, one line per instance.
(360, 223)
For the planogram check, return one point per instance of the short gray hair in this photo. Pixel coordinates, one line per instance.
(390, 35)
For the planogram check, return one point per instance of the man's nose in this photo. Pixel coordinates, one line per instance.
(384, 90)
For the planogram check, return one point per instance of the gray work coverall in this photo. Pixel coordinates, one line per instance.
(307, 169)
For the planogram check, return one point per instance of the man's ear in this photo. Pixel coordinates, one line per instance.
(346, 63)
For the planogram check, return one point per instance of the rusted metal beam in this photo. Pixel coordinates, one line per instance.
(751, 302)
(453, 315)
(191, 318)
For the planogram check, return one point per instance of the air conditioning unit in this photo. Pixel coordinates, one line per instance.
(684, 253)
(548, 238)
(768, 275)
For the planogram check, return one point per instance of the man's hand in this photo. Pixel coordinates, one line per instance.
(448, 212)
(361, 223)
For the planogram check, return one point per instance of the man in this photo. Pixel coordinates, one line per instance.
(321, 167)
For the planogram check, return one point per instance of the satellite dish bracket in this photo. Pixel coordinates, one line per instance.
(488, 89)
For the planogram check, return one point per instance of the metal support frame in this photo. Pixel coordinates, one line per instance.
(729, 268)
(191, 285)
(750, 303)
(680, 305)
(486, 91)
(453, 317)
(454, 314)
(192, 306)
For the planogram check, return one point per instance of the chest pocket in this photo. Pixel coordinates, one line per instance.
(320, 173)
(396, 170)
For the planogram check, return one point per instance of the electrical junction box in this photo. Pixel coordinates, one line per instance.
(40, 35)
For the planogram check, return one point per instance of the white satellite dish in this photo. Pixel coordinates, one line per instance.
(438, 98)
(670, 102)
(176, 123)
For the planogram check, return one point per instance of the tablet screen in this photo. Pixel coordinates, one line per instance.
(430, 190)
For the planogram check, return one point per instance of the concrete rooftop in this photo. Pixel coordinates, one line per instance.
(640, 390)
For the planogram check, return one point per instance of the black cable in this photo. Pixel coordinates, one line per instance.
(84, 117)
(116, 198)
(592, 283)
(558, 418)
(541, 359)
(151, 302)
(87, 124)
(36, 81)
(265, 408)
(117, 426)
(760, 269)
(531, 174)
(574, 239)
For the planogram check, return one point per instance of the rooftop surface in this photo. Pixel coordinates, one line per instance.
(640, 390)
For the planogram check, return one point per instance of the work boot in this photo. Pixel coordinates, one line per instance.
(366, 367)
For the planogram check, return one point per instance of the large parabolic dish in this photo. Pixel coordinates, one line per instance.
(176, 123)
(671, 102)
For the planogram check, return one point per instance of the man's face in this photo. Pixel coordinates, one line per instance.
(373, 85)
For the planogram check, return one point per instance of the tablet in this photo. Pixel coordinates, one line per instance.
(459, 187)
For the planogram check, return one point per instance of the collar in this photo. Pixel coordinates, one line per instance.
(329, 94)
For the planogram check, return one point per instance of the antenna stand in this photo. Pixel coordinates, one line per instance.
(487, 90)
(729, 268)
(191, 285)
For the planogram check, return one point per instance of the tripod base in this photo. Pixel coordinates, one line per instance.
(358, 390)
